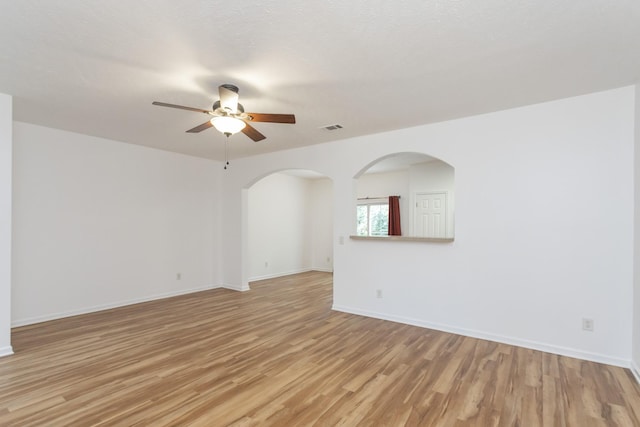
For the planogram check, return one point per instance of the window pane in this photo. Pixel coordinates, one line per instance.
(379, 220)
(362, 228)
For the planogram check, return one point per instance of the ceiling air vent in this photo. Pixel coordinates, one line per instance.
(332, 127)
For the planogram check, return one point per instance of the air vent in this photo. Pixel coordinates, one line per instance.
(332, 127)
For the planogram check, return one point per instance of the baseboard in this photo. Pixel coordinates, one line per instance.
(280, 274)
(238, 288)
(272, 276)
(635, 370)
(562, 351)
(60, 315)
(324, 270)
(6, 351)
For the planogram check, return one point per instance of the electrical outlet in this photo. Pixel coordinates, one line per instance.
(178, 276)
(587, 325)
(378, 293)
(328, 259)
(266, 264)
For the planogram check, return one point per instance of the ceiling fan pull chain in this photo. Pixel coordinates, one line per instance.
(226, 152)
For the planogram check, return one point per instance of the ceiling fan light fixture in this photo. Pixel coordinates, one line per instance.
(228, 125)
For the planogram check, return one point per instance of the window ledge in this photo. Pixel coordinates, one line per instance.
(404, 239)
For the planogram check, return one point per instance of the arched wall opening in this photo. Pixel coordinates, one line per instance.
(288, 223)
(426, 189)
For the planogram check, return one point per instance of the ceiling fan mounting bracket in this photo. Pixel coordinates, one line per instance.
(231, 87)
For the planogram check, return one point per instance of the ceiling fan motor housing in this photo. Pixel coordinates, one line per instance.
(216, 105)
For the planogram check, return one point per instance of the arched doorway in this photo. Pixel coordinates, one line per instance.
(289, 224)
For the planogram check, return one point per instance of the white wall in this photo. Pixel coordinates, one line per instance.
(383, 184)
(636, 293)
(544, 220)
(289, 230)
(6, 142)
(321, 200)
(279, 226)
(98, 223)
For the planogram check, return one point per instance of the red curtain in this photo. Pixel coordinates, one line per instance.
(394, 216)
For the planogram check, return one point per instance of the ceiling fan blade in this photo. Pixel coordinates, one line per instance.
(228, 97)
(272, 118)
(253, 133)
(205, 125)
(182, 107)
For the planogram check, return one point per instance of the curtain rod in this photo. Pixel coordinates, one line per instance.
(381, 197)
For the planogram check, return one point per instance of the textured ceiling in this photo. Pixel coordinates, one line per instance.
(94, 67)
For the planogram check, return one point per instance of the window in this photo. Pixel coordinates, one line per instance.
(373, 217)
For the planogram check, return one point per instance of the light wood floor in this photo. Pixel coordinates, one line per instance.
(278, 355)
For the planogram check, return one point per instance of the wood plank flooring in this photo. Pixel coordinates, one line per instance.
(278, 355)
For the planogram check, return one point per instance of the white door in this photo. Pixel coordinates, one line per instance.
(430, 216)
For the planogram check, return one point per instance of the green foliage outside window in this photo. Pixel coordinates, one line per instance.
(372, 219)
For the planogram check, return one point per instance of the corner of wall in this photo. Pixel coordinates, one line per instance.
(6, 200)
(635, 370)
(635, 329)
(239, 288)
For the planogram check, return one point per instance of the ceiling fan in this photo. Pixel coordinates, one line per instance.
(229, 116)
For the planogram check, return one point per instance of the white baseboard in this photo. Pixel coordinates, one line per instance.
(6, 351)
(273, 276)
(548, 348)
(238, 288)
(324, 270)
(280, 274)
(60, 315)
(635, 370)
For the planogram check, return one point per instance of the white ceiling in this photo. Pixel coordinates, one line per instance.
(94, 67)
